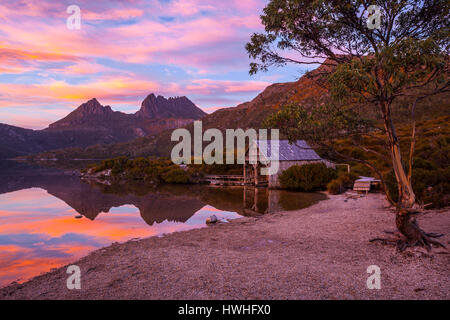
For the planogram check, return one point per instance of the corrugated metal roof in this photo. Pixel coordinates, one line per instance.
(298, 150)
(362, 178)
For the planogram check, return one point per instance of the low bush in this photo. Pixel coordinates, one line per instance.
(175, 175)
(160, 170)
(344, 181)
(308, 177)
(347, 179)
(335, 187)
(430, 186)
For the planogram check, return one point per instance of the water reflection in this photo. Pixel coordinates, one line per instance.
(38, 229)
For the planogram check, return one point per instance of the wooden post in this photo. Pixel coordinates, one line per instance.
(256, 199)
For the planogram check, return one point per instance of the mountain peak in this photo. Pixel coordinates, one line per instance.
(158, 107)
(151, 96)
(85, 111)
(93, 101)
(93, 107)
(92, 114)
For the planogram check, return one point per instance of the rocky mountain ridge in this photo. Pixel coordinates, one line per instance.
(94, 124)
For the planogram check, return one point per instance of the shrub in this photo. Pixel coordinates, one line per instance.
(361, 170)
(391, 184)
(119, 165)
(430, 186)
(430, 177)
(423, 164)
(335, 187)
(175, 175)
(307, 177)
(134, 173)
(357, 153)
(141, 163)
(347, 179)
(344, 181)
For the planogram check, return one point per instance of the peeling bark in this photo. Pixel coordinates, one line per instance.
(410, 232)
(406, 194)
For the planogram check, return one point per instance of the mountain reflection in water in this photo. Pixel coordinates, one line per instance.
(38, 230)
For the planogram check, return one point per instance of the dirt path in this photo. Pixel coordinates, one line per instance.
(321, 252)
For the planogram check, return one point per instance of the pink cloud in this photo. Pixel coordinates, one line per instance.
(212, 109)
(186, 7)
(115, 14)
(147, 41)
(200, 38)
(29, 122)
(208, 86)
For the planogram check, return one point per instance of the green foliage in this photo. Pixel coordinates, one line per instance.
(361, 169)
(344, 181)
(420, 163)
(175, 175)
(347, 179)
(217, 169)
(320, 124)
(431, 173)
(334, 187)
(398, 62)
(160, 171)
(432, 186)
(416, 30)
(308, 177)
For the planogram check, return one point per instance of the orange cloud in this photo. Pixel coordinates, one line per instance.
(108, 88)
(8, 55)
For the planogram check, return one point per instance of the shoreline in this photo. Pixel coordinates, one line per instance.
(320, 252)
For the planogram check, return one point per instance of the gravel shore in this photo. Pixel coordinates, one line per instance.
(321, 252)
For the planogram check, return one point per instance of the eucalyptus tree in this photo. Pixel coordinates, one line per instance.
(374, 53)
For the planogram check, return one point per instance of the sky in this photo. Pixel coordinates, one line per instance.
(123, 51)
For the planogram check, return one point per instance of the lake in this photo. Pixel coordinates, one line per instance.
(50, 217)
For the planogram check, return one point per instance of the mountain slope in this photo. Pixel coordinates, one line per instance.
(252, 114)
(92, 124)
(89, 114)
(16, 141)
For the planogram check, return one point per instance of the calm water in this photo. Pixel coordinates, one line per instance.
(38, 209)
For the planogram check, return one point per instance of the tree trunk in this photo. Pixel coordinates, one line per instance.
(404, 220)
(407, 198)
(406, 194)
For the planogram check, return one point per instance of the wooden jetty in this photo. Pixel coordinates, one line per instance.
(233, 180)
(225, 180)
